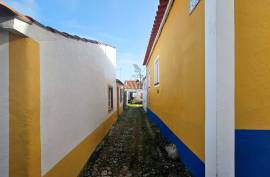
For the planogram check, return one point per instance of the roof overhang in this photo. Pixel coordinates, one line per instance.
(8, 12)
(14, 25)
(119, 82)
(160, 19)
(16, 22)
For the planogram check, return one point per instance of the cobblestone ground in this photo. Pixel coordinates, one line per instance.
(133, 148)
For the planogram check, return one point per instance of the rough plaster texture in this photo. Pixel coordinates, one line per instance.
(4, 104)
(210, 89)
(74, 83)
(219, 84)
(225, 88)
(75, 76)
(180, 48)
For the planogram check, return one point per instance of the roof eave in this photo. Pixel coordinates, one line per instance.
(156, 34)
(14, 25)
(11, 14)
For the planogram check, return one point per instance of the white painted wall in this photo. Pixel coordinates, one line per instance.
(74, 80)
(225, 88)
(75, 76)
(210, 89)
(220, 76)
(4, 104)
(145, 92)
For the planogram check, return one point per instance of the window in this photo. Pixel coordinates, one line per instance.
(192, 5)
(156, 72)
(110, 98)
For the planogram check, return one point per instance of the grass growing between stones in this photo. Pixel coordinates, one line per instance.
(134, 147)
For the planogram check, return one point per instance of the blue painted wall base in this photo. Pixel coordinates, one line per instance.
(252, 153)
(192, 162)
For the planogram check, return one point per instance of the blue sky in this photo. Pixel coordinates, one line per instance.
(125, 24)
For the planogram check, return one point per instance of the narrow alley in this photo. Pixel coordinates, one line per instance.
(160, 88)
(133, 147)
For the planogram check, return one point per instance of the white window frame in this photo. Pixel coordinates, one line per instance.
(110, 98)
(156, 72)
(192, 5)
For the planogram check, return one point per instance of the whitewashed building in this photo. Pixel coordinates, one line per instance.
(57, 98)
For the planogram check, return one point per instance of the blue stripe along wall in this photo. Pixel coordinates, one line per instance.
(192, 162)
(252, 153)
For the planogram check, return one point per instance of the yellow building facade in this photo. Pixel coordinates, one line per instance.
(178, 99)
(252, 88)
(208, 84)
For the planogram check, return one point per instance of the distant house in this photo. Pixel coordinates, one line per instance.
(133, 92)
(57, 98)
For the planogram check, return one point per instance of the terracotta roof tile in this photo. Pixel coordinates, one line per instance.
(131, 84)
(157, 22)
(6, 12)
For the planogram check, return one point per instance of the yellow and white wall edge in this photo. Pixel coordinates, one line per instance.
(237, 133)
(237, 136)
(4, 104)
(53, 100)
(233, 135)
(219, 88)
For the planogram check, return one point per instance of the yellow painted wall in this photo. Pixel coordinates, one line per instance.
(25, 151)
(180, 101)
(72, 164)
(252, 26)
(24, 142)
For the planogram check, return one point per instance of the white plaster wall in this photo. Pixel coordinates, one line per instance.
(219, 91)
(145, 91)
(75, 76)
(210, 89)
(4, 103)
(74, 80)
(225, 88)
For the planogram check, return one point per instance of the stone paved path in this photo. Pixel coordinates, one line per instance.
(133, 148)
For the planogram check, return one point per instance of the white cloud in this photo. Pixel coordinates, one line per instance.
(26, 7)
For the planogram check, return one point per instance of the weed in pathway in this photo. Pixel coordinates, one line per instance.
(134, 147)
